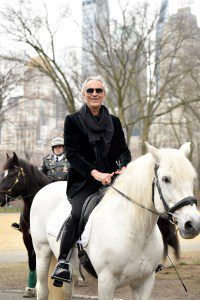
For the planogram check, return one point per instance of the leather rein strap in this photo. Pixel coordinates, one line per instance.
(168, 211)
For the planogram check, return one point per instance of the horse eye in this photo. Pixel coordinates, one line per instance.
(166, 179)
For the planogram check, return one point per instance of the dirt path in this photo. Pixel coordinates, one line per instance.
(10, 239)
(13, 272)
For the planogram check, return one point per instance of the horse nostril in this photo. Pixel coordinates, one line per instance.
(188, 225)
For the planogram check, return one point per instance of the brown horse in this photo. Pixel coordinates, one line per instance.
(21, 179)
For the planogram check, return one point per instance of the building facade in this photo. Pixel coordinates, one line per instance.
(33, 119)
(95, 15)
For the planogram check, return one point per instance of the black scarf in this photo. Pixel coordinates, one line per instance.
(100, 129)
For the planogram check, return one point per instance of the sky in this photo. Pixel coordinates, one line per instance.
(70, 33)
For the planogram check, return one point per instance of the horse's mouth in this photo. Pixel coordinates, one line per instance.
(189, 234)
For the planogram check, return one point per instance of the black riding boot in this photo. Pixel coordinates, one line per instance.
(63, 269)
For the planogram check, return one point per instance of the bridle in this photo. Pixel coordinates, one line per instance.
(168, 211)
(8, 193)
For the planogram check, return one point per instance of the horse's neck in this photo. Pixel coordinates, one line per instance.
(138, 221)
(28, 200)
(138, 188)
(33, 186)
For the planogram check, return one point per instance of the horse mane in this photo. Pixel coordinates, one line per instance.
(30, 170)
(136, 181)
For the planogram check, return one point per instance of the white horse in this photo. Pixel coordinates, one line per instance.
(125, 245)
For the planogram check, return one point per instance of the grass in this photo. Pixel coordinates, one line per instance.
(7, 209)
(183, 263)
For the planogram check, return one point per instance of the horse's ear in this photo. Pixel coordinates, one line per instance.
(15, 159)
(7, 156)
(154, 152)
(186, 148)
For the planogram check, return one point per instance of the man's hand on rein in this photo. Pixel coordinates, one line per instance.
(120, 171)
(104, 178)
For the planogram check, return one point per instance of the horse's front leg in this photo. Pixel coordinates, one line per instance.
(30, 290)
(143, 291)
(106, 286)
(43, 260)
(68, 289)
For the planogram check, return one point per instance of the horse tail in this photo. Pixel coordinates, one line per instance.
(54, 292)
(170, 237)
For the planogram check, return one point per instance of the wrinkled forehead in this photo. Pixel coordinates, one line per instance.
(94, 84)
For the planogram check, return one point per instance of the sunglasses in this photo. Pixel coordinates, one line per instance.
(91, 91)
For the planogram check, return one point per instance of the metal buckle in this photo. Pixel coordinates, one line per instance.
(170, 217)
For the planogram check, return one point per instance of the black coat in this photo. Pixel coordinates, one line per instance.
(81, 155)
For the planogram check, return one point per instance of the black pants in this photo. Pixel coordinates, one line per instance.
(70, 230)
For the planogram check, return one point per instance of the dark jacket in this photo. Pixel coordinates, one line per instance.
(81, 155)
(55, 170)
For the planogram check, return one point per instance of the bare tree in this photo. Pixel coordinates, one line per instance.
(182, 123)
(125, 53)
(144, 86)
(27, 27)
(8, 81)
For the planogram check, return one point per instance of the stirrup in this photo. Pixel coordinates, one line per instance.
(62, 273)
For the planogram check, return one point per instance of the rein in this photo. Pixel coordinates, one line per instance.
(128, 198)
(168, 211)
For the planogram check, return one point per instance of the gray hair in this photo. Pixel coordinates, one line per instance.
(97, 78)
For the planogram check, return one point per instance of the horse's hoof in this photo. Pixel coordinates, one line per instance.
(29, 293)
(57, 283)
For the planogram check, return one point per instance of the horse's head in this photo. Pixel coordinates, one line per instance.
(12, 181)
(174, 185)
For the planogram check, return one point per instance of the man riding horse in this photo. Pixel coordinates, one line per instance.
(96, 149)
